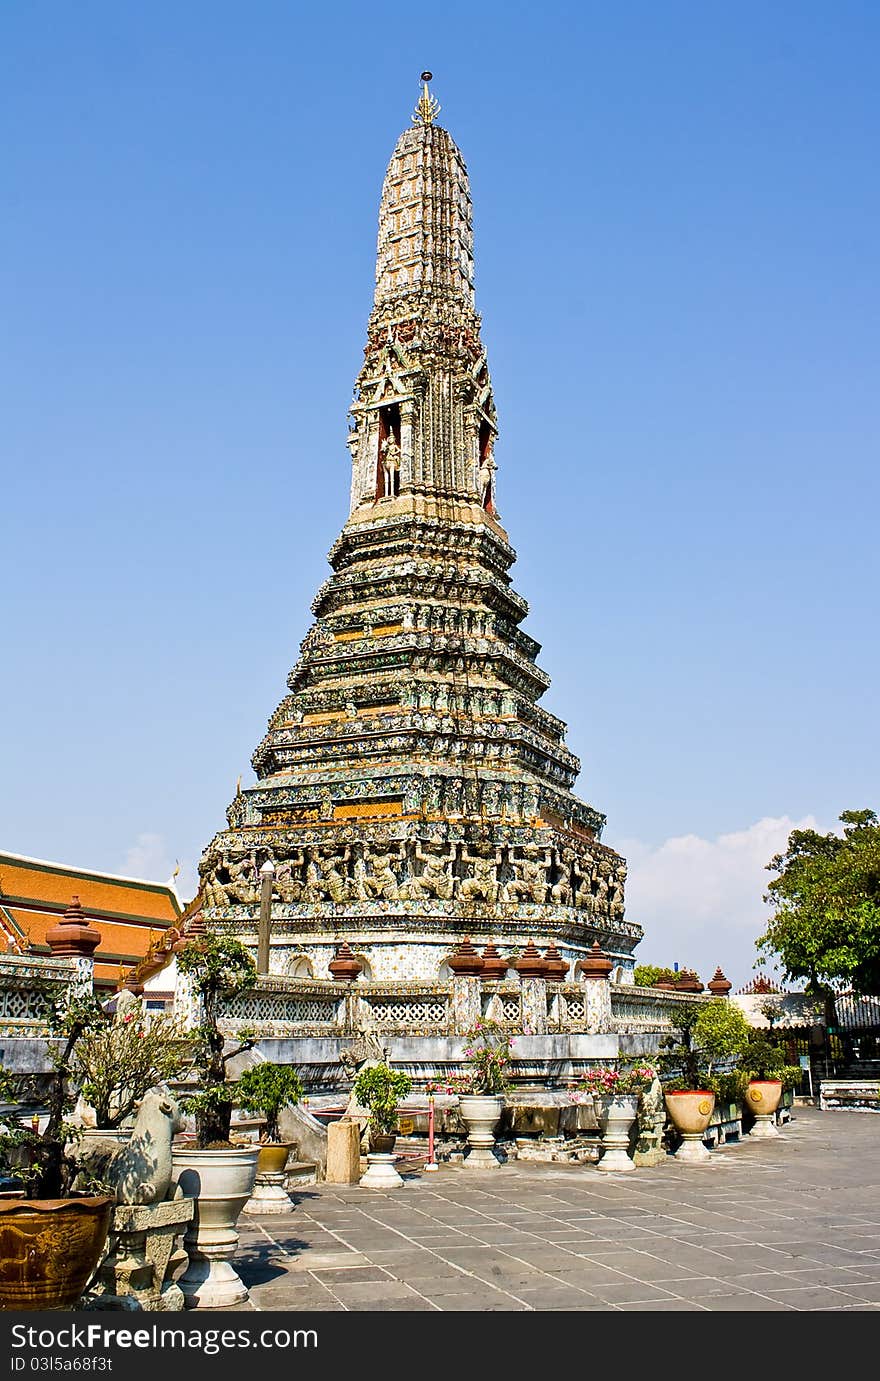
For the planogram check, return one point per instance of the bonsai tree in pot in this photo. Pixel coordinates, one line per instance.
(379, 1088)
(710, 1037)
(221, 968)
(218, 1174)
(764, 1075)
(268, 1088)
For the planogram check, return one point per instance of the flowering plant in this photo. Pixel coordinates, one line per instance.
(488, 1053)
(610, 1081)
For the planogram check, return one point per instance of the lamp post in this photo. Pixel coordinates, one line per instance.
(267, 878)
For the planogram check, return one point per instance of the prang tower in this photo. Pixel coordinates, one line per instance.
(411, 790)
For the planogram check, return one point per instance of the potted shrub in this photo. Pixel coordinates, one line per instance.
(765, 1075)
(616, 1090)
(268, 1088)
(216, 1172)
(481, 1090)
(117, 1060)
(379, 1088)
(51, 1236)
(711, 1036)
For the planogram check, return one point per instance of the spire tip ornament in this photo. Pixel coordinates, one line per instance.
(428, 107)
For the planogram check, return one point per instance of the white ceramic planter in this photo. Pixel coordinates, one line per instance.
(221, 1182)
(482, 1113)
(616, 1116)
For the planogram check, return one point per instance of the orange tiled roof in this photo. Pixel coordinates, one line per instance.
(131, 914)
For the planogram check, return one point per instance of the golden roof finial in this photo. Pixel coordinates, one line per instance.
(428, 107)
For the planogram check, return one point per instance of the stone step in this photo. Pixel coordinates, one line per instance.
(300, 1172)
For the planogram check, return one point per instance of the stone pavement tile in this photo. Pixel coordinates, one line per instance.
(590, 1276)
(558, 1298)
(664, 1271)
(403, 1256)
(745, 1303)
(414, 1305)
(698, 1286)
(318, 1260)
(672, 1306)
(352, 1275)
(456, 1285)
(838, 1277)
(460, 1304)
(862, 1291)
(626, 1291)
(376, 1290)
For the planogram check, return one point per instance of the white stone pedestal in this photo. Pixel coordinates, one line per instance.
(381, 1173)
(269, 1196)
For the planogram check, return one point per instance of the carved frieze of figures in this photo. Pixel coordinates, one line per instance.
(561, 892)
(435, 879)
(241, 883)
(482, 883)
(382, 880)
(287, 879)
(529, 882)
(601, 874)
(582, 874)
(616, 899)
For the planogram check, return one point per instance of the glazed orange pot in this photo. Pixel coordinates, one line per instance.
(49, 1249)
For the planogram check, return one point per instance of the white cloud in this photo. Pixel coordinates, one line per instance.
(150, 859)
(700, 901)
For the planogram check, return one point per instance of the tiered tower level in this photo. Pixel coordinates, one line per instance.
(411, 790)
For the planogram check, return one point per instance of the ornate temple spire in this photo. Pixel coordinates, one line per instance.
(423, 413)
(428, 107)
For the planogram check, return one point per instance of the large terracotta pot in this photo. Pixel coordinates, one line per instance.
(49, 1249)
(221, 1182)
(690, 1111)
(482, 1113)
(762, 1100)
(616, 1114)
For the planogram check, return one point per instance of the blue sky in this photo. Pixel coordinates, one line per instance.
(676, 214)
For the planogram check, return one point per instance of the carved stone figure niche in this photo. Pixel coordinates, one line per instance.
(388, 460)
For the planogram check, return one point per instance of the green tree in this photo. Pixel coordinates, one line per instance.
(268, 1088)
(221, 968)
(825, 927)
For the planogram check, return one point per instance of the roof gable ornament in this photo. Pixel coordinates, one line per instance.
(428, 107)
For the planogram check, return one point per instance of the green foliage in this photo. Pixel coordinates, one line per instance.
(380, 1088)
(825, 927)
(762, 1058)
(267, 1088)
(37, 1157)
(221, 968)
(118, 1061)
(711, 1036)
(488, 1053)
(649, 975)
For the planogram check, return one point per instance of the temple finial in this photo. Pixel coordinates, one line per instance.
(428, 107)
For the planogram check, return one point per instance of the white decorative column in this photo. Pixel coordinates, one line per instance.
(597, 991)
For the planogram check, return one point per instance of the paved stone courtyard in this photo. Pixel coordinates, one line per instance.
(791, 1224)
